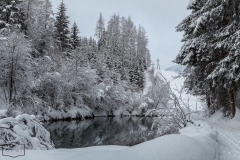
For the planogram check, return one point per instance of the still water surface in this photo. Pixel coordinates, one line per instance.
(125, 131)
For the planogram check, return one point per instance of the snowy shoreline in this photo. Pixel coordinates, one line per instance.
(194, 143)
(198, 141)
(92, 117)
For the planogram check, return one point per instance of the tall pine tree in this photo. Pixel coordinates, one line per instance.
(211, 52)
(75, 40)
(100, 27)
(61, 30)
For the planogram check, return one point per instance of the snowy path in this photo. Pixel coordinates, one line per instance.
(229, 141)
(228, 131)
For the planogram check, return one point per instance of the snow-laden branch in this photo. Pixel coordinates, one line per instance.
(24, 129)
(177, 109)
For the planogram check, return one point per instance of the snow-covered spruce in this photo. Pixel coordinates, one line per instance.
(24, 129)
(211, 53)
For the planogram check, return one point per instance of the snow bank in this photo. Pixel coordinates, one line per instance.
(73, 113)
(218, 118)
(169, 147)
(194, 143)
(24, 129)
(204, 134)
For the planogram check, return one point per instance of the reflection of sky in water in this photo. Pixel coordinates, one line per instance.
(101, 131)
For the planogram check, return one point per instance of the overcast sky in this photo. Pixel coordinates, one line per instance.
(158, 17)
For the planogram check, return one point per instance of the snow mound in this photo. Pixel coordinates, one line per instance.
(24, 129)
(203, 133)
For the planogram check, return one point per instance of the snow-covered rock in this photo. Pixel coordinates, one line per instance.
(25, 129)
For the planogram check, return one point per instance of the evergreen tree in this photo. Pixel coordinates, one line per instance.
(131, 75)
(102, 42)
(136, 77)
(115, 73)
(75, 40)
(109, 62)
(100, 27)
(142, 42)
(141, 69)
(210, 51)
(11, 16)
(128, 35)
(92, 52)
(61, 30)
(114, 33)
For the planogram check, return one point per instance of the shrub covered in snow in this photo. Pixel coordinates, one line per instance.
(24, 129)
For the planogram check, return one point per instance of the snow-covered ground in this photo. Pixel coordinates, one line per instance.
(195, 143)
(228, 135)
(228, 130)
(209, 138)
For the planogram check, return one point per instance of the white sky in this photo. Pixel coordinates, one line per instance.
(158, 17)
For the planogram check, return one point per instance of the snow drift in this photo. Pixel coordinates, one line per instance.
(24, 129)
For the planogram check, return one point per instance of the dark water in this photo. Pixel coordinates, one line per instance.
(125, 131)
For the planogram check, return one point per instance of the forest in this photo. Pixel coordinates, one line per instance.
(100, 97)
(47, 69)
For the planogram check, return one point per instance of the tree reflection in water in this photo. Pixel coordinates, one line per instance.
(126, 131)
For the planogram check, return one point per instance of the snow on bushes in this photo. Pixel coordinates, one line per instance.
(73, 113)
(24, 129)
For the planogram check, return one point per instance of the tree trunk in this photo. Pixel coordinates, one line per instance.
(232, 102)
(11, 83)
(28, 10)
(46, 3)
(208, 101)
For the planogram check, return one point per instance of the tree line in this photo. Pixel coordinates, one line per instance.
(45, 66)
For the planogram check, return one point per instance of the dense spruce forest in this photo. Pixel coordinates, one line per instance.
(48, 69)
